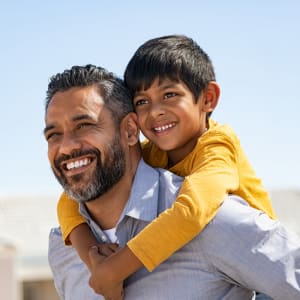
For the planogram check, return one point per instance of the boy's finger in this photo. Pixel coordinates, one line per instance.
(107, 249)
(95, 256)
(112, 247)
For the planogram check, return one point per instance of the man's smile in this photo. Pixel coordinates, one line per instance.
(76, 165)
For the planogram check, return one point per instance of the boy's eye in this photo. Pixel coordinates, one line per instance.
(140, 102)
(170, 95)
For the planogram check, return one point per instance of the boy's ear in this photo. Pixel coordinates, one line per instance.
(131, 129)
(211, 96)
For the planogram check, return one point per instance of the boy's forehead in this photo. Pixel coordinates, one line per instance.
(162, 83)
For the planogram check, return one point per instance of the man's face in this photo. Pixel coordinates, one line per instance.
(84, 146)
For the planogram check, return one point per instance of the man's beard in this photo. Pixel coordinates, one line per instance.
(104, 177)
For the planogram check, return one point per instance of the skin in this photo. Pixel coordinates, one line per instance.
(170, 117)
(76, 120)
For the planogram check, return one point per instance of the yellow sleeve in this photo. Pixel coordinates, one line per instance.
(68, 216)
(213, 175)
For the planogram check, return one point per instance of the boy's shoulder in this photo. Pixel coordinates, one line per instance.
(218, 134)
(220, 130)
(216, 127)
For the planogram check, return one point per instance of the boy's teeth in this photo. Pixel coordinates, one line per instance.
(162, 128)
(77, 164)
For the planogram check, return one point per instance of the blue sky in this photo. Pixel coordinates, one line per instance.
(254, 45)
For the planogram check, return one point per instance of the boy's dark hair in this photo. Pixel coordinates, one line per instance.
(176, 57)
(116, 96)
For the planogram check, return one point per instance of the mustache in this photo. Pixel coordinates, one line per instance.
(74, 154)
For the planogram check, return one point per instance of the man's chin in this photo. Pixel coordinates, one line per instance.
(75, 182)
(81, 192)
(77, 195)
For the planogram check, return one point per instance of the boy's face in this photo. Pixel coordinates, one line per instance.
(169, 116)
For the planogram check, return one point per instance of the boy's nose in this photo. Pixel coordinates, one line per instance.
(157, 110)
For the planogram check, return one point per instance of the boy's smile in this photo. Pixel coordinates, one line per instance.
(164, 128)
(169, 116)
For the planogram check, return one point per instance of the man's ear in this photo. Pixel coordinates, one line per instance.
(211, 97)
(131, 129)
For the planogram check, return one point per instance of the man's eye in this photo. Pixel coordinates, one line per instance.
(140, 102)
(52, 136)
(84, 125)
(170, 95)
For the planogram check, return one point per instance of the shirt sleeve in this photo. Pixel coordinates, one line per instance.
(250, 249)
(68, 216)
(214, 174)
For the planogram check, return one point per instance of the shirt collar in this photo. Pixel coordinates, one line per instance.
(143, 200)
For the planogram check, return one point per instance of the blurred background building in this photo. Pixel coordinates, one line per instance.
(25, 223)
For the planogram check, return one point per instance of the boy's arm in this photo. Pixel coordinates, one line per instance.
(76, 232)
(107, 274)
(68, 216)
(199, 199)
(82, 240)
(213, 174)
(74, 229)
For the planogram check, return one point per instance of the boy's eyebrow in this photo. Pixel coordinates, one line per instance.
(163, 86)
(74, 119)
(168, 85)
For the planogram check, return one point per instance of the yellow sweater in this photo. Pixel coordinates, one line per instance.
(215, 168)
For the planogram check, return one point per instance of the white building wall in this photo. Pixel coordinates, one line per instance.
(9, 287)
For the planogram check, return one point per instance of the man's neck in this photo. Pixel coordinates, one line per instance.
(107, 209)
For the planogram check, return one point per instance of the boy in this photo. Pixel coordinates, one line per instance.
(174, 93)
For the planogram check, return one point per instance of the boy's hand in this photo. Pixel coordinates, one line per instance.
(106, 249)
(118, 295)
(100, 280)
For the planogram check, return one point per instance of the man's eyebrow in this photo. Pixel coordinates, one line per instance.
(47, 128)
(82, 117)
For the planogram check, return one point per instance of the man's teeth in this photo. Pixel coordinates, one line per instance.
(162, 128)
(77, 164)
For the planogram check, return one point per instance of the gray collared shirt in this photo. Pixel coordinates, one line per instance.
(241, 250)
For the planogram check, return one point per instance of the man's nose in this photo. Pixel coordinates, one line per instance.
(69, 143)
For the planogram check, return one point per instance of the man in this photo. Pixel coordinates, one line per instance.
(94, 152)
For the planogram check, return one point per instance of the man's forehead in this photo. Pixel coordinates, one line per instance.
(79, 94)
(75, 101)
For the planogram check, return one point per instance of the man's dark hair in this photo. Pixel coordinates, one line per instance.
(176, 57)
(116, 96)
